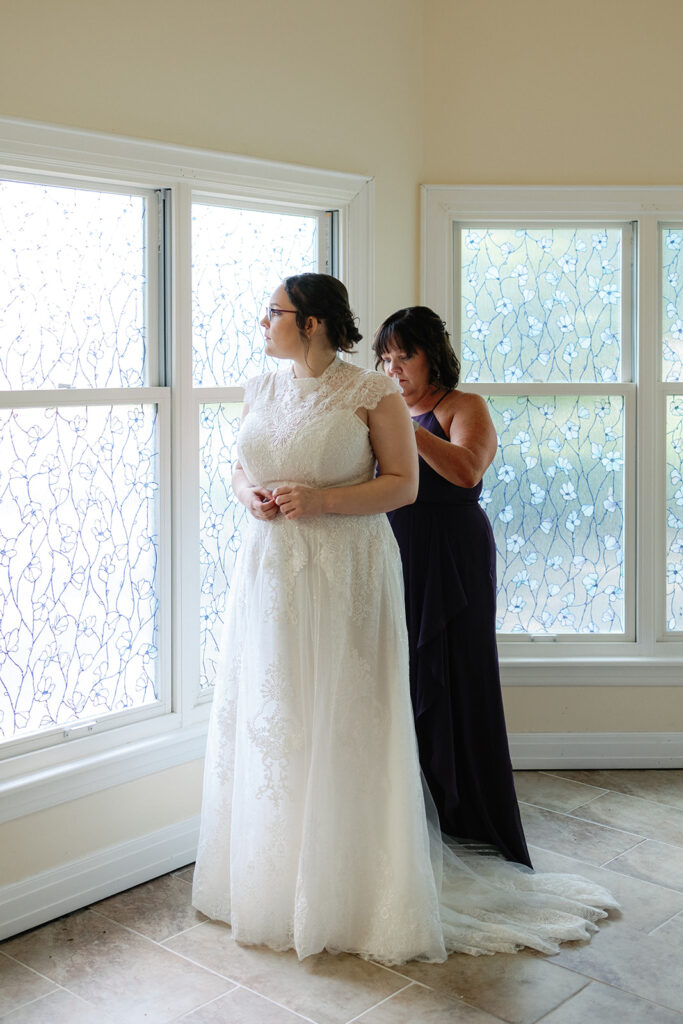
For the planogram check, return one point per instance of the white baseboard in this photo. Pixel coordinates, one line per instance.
(61, 890)
(530, 750)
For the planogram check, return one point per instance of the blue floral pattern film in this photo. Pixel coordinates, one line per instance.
(72, 280)
(672, 306)
(674, 513)
(555, 498)
(541, 305)
(78, 564)
(238, 258)
(221, 520)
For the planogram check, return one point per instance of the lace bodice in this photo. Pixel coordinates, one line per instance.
(305, 430)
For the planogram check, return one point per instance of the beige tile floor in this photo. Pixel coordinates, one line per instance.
(147, 956)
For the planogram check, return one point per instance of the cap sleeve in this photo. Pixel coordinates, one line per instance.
(253, 388)
(372, 387)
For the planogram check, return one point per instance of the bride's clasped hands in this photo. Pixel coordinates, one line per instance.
(294, 501)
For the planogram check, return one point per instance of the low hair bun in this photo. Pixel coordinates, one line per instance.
(326, 298)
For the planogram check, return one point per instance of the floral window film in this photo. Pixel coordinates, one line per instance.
(78, 564)
(221, 523)
(674, 513)
(238, 257)
(73, 280)
(541, 305)
(79, 475)
(555, 499)
(672, 304)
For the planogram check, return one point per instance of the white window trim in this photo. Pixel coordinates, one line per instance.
(650, 658)
(92, 761)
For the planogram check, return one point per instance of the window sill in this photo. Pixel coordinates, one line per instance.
(26, 787)
(565, 668)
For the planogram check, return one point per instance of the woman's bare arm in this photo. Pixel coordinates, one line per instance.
(464, 458)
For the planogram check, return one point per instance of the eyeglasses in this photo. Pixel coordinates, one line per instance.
(272, 311)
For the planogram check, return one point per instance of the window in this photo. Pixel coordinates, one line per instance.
(541, 310)
(130, 327)
(672, 374)
(83, 431)
(555, 299)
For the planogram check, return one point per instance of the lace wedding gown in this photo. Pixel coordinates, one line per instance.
(314, 832)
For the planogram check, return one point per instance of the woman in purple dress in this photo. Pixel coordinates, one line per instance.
(449, 569)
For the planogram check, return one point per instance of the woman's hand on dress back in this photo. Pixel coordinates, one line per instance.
(296, 501)
(261, 504)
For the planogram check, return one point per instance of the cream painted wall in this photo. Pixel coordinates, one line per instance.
(46, 839)
(311, 82)
(585, 709)
(538, 92)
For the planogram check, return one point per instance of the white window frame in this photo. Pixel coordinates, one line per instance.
(90, 760)
(645, 655)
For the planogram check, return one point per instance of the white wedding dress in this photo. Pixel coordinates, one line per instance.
(314, 833)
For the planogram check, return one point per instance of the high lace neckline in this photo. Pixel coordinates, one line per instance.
(313, 382)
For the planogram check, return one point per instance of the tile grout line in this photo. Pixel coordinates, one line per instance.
(586, 821)
(29, 968)
(210, 970)
(460, 1000)
(598, 824)
(618, 988)
(619, 792)
(601, 790)
(638, 799)
(57, 987)
(259, 995)
(603, 867)
(370, 1009)
(269, 999)
(209, 1002)
(547, 1014)
(141, 935)
(38, 999)
(183, 931)
(632, 848)
(668, 921)
(587, 803)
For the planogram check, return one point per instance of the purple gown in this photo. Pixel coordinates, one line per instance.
(449, 569)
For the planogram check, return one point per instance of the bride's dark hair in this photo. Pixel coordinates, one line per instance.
(325, 298)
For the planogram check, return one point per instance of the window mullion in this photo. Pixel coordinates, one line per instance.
(186, 573)
(79, 396)
(649, 482)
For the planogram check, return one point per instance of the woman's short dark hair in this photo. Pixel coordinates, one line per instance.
(419, 328)
(325, 298)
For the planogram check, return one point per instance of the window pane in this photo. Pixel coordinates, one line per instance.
(78, 564)
(555, 499)
(541, 304)
(672, 305)
(674, 513)
(238, 258)
(72, 277)
(221, 518)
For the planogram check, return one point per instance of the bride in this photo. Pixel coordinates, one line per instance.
(316, 830)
